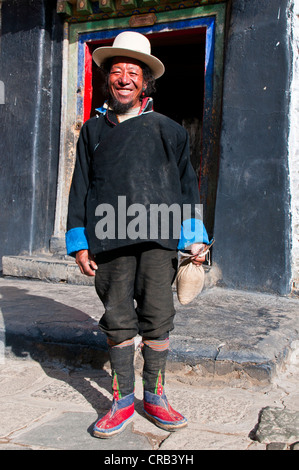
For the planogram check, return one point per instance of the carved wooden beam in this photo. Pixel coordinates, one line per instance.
(129, 3)
(64, 7)
(107, 5)
(84, 7)
(149, 3)
(71, 7)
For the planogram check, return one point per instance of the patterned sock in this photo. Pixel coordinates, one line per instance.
(122, 368)
(155, 355)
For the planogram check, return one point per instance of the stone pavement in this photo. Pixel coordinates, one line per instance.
(233, 371)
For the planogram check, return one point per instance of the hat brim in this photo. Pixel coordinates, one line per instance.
(103, 53)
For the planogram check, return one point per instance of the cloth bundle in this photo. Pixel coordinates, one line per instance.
(189, 279)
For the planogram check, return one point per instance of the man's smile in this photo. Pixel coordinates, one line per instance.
(124, 91)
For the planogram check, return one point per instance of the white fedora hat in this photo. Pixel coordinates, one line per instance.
(130, 44)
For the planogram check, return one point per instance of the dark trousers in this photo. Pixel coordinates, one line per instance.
(143, 273)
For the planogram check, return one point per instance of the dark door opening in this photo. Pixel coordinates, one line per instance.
(180, 91)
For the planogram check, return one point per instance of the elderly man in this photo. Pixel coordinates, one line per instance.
(131, 159)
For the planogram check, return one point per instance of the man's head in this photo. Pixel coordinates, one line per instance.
(130, 70)
(127, 82)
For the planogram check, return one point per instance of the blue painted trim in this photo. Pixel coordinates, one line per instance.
(76, 239)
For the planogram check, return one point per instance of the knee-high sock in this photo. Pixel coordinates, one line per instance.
(155, 355)
(122, 368)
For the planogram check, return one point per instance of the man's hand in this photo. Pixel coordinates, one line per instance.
(196, 249)
(86, 263)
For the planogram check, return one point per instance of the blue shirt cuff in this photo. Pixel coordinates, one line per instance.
(76, 239)
(192, 231)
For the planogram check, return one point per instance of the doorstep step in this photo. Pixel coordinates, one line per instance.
(46, 268)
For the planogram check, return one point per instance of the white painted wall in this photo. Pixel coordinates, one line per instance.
(294, 139)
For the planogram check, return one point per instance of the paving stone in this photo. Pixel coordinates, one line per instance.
(277, 446)
(278, 425)
(73, 431)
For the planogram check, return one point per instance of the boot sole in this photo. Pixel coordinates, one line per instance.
(108, 435)
(166, 427)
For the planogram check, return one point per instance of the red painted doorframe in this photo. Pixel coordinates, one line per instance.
(88, 49)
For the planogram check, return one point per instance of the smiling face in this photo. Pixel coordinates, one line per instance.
(126, 82)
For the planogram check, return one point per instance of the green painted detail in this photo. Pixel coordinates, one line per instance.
(149, 3)
(129, 4)
(64, 8)
(107, 6)
(77, 28)
(84, 7)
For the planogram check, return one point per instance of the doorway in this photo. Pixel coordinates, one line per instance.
(179, 92)
(189, 92)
